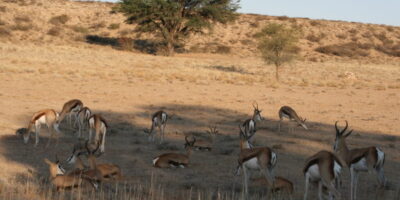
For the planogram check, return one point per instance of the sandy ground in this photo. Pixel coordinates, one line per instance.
(31, 80)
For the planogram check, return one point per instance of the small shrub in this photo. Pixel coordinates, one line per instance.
(55, 31)
(353, 31)
(124, 32)
(80, 29)
(389, 49)
(61, 19)
(4, 32)
(350, 49)
(354, 39)
(22, 18)
(98, 25)
(341, 36)
(3, 9)
(247, 42)
(390, 29)
(2, 23)
(126, 43)
(113, 26)
(315, 38)
(283, 18)
(22, 27)
(314, 23)
(222, 49)
(381, 36)
(367, 35)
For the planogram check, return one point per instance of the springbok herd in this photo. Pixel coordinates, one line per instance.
(323, 168)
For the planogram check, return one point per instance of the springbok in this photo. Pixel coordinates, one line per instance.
(324, 168)
(168, 160)
(64, 181)
(70, 108)
(281, 185)
(289, 113)
(250, 124)
(206, 144)
(48, 117)
(83, 120)
(158, 119)
(103, 171)
(369, 159)
(258, 158)
(99, 125)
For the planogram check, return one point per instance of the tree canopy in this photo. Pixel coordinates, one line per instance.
(174, 20)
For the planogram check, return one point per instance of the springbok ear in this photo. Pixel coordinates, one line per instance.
(47, 161)
(349, 133)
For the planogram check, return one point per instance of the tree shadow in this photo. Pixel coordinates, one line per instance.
(127, 146)
(144, 46)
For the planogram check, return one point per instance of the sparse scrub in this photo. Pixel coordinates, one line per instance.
(58, 20)
(99, 25)
(80, 29)
(390, 29)
(381, 36)
(222, 49)
(55, 31)
(247, 42)
(350, 49)
(126, 43)
(113, 26)
(389, 49)
(283, 18)
(353, 31)
(22, 27)
(341, 36)
(367, 35)
(315, 23)
(22, 18)
(315, 38)
(4, 32)
(2, 23)
(124, 32)
(3, 9)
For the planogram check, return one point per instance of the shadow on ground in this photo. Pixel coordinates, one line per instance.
(127, 146)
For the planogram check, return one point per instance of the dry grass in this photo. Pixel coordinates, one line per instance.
(59, 20)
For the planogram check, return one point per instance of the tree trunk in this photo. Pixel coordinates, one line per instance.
(170, 48)
(277, 72)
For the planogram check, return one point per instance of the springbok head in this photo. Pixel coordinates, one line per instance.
(340, 135)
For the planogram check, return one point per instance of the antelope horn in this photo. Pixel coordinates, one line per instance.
(186, 139)
(345, 128)
(336, 128)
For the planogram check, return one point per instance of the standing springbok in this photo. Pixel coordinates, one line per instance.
(99, 125)
(49, 117)
(369, 159)
(289, 113)
(63, 181)
(168, 160)
(259, 158)
(325, 168)
(158, 119)
(250, 124)
(206, 144)
(83, 119)
(70, 108)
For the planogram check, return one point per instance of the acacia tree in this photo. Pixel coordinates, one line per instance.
(174, 20)
(277, 44)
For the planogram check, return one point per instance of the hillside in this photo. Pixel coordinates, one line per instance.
(67, 22)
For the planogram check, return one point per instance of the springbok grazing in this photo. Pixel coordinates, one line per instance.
(83, 119)
(174, 160)
(158, 119)
(206, 144)
(369, 159)
(250, 124)
(102, 171)
(324, 168)
(258, 158)
(70, 108)
(63, 181)
(281, 185)
(99, 125)
(48, 117)
(289, 113)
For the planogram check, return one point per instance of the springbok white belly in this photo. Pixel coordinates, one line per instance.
(251, 164)
(41, 120)
(361, 165)
(313, 173)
